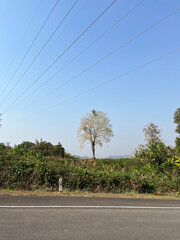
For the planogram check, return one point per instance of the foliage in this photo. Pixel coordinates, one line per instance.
(42, 147)
(47, 149)
(95, 128)
(178, 146)
(175, 160)
(177, 120)
(154, 153)
(97, 175)
(152, 134)
(155, 168)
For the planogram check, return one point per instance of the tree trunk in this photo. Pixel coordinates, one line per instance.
(93, 149)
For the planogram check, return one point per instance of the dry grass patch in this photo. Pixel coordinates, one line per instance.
(86, 194)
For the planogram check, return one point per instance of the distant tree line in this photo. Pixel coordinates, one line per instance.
(39, 147)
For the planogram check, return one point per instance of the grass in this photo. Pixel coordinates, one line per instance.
(87, 194)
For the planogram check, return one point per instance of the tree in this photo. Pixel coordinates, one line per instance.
(154, 153)
(58, 150)
(95, 128)
(27, 146)
(177, 121)
(48, 149)
(152, 134)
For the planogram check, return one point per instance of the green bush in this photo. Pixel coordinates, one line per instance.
(155, 153)
(149, 173)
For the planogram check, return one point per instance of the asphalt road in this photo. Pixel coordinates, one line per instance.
(88, 223)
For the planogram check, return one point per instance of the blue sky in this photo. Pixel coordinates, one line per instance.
(150, 94)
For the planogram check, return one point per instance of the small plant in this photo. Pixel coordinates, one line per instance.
(175, 160)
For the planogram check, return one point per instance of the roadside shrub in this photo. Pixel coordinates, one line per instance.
(154, 153)
(31, 171)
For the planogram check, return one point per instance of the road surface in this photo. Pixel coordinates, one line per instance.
(32, 217)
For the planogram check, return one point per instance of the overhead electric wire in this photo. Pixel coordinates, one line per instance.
(24, 35)
(41, 49)
(90, 45)
(61, 55)
(108, 55)
(31, 45)
(102, 84)
(63, 30)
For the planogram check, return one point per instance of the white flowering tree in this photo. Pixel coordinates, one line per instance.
(95, 128)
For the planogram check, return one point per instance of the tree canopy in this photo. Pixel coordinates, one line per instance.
(152, 134)
(42, 147)
(177, 120)
(95, 128)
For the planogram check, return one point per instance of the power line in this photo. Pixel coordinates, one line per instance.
(31, 45)
(25, 33)
(104, 83)
(102, 59)
(63, 30)
(90, 45)
(60, 55)
(42, 49)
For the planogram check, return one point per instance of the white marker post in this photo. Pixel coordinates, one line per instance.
(60, 185)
